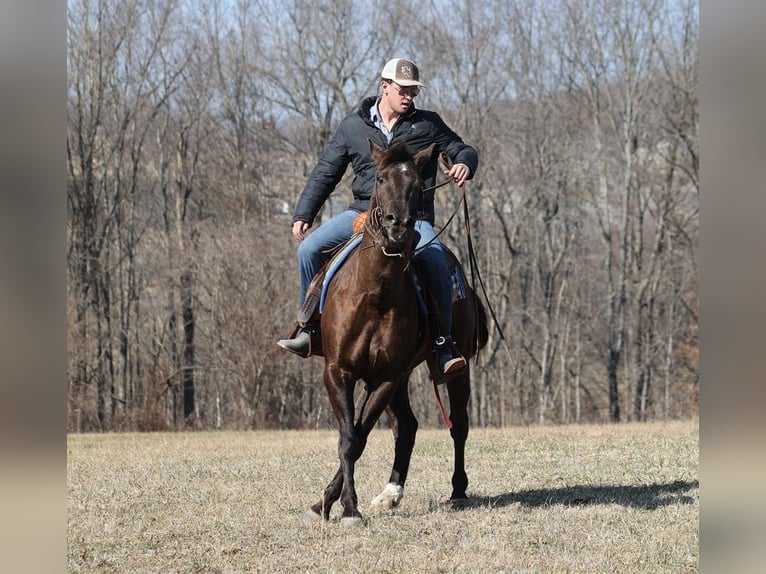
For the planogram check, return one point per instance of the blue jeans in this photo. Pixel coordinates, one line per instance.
(434, 259)
(314, 250)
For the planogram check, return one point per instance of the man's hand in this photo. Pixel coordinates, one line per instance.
(299, 229)
(459, 172)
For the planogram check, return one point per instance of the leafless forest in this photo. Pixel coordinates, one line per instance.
(192, 127)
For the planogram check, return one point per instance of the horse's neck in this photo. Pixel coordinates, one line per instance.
(375, 268)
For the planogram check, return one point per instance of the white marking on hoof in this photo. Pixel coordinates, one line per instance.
(390, 497)
(311, 517)
(351, 521)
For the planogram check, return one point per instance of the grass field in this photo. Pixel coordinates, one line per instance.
(616, 499)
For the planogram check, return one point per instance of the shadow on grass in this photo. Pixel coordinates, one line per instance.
(648, 497)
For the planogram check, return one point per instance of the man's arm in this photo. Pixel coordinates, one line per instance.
(464, 157)
(324, 177)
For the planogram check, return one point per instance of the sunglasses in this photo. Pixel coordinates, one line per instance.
(408, 91)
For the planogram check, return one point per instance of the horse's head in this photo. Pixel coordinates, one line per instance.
(398, 187)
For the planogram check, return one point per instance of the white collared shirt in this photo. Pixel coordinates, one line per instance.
(379, 123)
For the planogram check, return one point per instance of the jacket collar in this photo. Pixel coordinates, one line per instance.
(368, 102)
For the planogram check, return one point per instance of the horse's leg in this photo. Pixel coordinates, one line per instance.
(352, 437)
(404, 426)
(469, 331)
(459, 389)
(351, 449)
(331, 493)
(340, 389)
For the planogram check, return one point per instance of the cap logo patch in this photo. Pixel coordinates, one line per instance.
(405, 71)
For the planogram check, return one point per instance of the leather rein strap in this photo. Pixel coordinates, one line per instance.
(475, 275)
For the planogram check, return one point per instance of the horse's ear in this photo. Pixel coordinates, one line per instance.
(423, 157)
(375, 150)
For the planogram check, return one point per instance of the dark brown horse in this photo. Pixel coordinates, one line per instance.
(373, 330)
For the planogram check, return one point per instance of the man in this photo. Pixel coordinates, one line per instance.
(385, 119)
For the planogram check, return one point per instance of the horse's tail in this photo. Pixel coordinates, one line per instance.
(482, 327)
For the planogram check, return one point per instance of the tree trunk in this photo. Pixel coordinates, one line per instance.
(187, 310)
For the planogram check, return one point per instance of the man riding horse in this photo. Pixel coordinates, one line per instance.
(386, 119)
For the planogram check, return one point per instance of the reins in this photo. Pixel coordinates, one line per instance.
(451, 217)
(437, 186)
(448, 162)
(474, 267)
(372, 225)
(473, 263)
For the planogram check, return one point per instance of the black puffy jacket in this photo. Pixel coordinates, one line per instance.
(417, 128)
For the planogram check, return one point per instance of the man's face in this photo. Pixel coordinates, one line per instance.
(399, 98)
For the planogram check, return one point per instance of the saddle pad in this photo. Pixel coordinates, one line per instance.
(335, 264)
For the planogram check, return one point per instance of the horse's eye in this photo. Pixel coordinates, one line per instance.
(379, 179)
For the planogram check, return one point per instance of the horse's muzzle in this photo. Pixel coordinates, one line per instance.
(396, 231)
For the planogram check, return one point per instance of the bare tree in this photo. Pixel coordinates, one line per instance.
(606, 50)
(112, 83)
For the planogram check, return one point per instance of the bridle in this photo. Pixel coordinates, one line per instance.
(373, 220)
(373, 225)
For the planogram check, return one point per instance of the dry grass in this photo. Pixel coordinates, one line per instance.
(566, 499)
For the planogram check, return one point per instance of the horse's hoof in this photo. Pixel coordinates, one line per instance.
(311, 517)
(351, 521)
(390, 497)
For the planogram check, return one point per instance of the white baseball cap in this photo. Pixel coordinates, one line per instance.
(403, 72)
